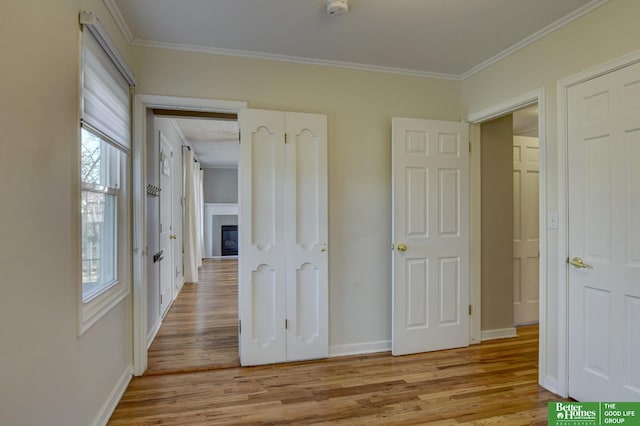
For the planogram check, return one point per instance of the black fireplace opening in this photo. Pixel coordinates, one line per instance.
(229, 239)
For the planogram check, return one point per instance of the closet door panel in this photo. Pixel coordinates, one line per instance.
(261, 270)
(306, 233)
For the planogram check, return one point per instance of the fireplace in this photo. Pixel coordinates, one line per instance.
(229, 240)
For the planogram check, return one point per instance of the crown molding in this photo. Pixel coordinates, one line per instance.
(293, 59)
(565, 20)
(114, 10)
(112, 7)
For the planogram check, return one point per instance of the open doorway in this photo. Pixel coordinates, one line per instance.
(509, 223)
(198, 330)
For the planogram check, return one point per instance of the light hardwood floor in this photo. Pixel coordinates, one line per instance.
(488, 384)
(200, 331)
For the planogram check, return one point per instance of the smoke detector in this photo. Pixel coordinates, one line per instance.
(337, 7)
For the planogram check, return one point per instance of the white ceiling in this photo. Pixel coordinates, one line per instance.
(214, 142)
(439, 38)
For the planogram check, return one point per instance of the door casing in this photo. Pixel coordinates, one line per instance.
(563, 206)
(475, 119)
(141, 103)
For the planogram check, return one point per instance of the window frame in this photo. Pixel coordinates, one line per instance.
(93, 306)
(97, 304)
(111, 159)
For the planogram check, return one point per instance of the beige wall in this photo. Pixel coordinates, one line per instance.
(497, 223)
(359, 106)
(48, 375)
(605, 34)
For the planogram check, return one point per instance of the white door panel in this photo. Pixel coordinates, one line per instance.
(525, 229)
(431, 235)
(283, 282)
(166, 224)
(306, 218)
(604, 223)
(261, 233)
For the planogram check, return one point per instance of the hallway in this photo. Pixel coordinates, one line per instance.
(200, 331)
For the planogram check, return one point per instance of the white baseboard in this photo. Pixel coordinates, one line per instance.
(500, 333)
(360, 348)
(114, 397)
(152, 334)
(179, 288)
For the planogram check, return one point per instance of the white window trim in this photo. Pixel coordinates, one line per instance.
(90, 312)
(98, 305)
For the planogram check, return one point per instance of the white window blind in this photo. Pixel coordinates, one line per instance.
(106, 79)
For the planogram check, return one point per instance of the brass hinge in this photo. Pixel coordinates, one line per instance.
(286, 324)
(469, 309)
(239, 326)
(285, 138)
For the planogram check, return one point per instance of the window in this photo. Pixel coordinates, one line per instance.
(103, 166)
(100, 167)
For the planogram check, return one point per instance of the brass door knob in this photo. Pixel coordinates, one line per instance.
(402, 247)
(579, 263)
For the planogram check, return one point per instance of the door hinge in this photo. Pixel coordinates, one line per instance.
(239, 136)
(567, 261)
(285, 138)
(239, 326)
(286, 324)
(469, 309)
(469, 146)
(160, 300)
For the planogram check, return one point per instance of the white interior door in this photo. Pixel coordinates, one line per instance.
(604, 237)
(166, 224)
(262, 292)
(283, 271)
(525, 229)
(431, 235)
(306, 220)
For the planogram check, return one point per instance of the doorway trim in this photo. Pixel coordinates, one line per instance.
(475, 119)
(563, 87)
(139, 210)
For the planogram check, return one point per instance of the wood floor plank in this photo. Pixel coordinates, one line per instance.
(494, 383)
(200, 331)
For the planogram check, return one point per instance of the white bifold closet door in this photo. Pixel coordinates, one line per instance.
(283, 266)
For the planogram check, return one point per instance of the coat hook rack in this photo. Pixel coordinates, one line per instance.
(153, 190)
